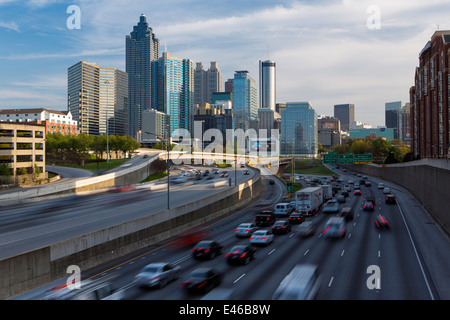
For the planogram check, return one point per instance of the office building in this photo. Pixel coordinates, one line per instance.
(206, 82)
(154, 127)
(346, 115)
(245, 102)
(392, 113)
(96, 94)
(267, 84)
(218, 116)
(329, 132)
(173, 90)
(429, 99)
(142, 47)
(388, 134)
(404, 132)
(22, 147)
(299, 129)
(54, 121)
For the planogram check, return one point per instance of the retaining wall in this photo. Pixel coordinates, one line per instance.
(37, 267)
(429, 184)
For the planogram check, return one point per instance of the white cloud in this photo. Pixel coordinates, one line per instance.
(9, 25)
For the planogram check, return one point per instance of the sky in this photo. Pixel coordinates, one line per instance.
(327, 52)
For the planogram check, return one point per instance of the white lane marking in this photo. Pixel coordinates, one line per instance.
(243, 275)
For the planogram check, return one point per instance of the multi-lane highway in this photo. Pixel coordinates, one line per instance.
(34, 223)
(409, 261)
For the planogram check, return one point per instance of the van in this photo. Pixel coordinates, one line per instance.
(302, 283)
(283, 209)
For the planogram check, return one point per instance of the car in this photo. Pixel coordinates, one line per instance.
(271, 182)
(386, 190)
(302, 283)
(242, 165)
(345, 170)
(245, 230)
(368, 184)
(296, 218)
(122, 188)
(371, 199)
(346, 213)
(206, 249)
(347, 188)
(240, 254)
(246, 172)
(264, 237)
(281, 226)
(224, 174)
(340, 198)
(202, 280)
(350, 181)
(357, 192)
(381, 185)
(390, 198)
(265, 219)
(331, 206)
(307, 229)
(157, 274)
(368, 206)
(344, 193)
(362, 182)
(335, 228)
(382, 223)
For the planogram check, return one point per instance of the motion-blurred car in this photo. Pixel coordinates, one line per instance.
(335, 228)
(224, 174)
(340, 198)
(368, 206)
(346, 213)
(157, 274)
(386, 190)
(281, 227)
(382, 223)
(245, 230)
(296, 218)
(381, 185)
(264, 237)
(240, 254)
(246, 172)
(331, 206)
(302, 283)
(202, 280)
(206, 249)
(390, 198)
(357, 192)
(122, 188)
(307, 229)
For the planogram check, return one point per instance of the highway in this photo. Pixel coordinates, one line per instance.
(413, 257)
(36, 223)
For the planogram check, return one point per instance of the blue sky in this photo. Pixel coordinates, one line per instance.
(324, 50)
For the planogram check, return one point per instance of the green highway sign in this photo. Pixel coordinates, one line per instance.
(346, 158)
(363, 158)
(330, 158)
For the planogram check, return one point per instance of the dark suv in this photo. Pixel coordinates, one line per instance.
(207, 249)
(265, 219)
(346, 213)
(390, 198)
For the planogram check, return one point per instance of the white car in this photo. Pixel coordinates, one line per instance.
(245, 230)
(264, 237)
(157, 274)
(386, 190)
(331, 206)
(381, 186)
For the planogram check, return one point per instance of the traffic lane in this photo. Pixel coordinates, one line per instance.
(96, 216)
(67, 172)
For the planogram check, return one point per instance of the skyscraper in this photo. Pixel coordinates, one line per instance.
(267, 84)
(96, 94)
(299, 129)
(206, 82)
(142, 47)
(173, 90)
(346, 114)
(245, 101)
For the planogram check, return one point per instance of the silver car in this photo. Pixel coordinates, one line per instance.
(157, 274)
(331, 206)
(245, 230)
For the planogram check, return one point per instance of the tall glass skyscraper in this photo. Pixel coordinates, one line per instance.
(267, 84)
(173, 90)
(142, 47)
(299, 129)
(245, 101)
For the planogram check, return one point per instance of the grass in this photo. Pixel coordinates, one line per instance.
(92, 166)
(155, 177)
(320, 171)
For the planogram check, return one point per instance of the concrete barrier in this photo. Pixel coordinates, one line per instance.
(37, 267)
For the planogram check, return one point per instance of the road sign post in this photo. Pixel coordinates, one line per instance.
(365, 158)
(330, 158)
(346, 158)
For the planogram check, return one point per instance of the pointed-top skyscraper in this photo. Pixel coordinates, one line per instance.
(142, 47)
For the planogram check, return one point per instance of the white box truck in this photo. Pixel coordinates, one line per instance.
(309, 200)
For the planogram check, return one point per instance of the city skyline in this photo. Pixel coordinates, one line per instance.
(326, 52)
